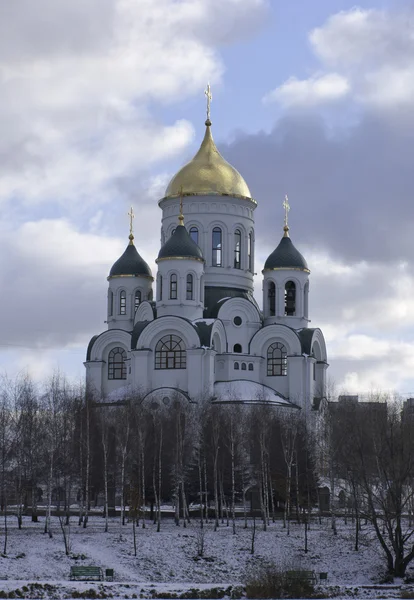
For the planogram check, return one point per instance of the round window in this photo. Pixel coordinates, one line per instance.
(237, 321)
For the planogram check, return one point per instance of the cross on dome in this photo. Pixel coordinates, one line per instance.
(209, 97)
(286, 206)
(131, 216)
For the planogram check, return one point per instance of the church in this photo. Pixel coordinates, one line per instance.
(203, 335)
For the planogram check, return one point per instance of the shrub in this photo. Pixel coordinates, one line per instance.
(271, 581)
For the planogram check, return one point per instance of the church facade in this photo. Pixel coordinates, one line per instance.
(201, 333)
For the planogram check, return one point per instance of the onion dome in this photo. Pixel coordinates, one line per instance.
(180, 245)
(285, 256)
(208, 173)
(130, 264)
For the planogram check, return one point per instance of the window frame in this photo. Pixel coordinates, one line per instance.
(290, 304)
(217, 248)
(193, 229)
(117, 368)
(137, 294)
(170, 353)
(276, 363)
(122, 303)
(271, 294)
(173, 286)
(189, 289)
(237, 248)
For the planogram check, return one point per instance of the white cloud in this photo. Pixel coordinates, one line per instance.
(308, 92)
(367, 54)
(78, 86)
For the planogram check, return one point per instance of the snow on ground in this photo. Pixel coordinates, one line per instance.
(170, 556)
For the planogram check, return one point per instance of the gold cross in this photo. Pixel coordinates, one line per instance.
(209, 97)
(131, 218)
(181, 216)
(286, 206)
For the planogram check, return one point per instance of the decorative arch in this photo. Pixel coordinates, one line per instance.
(275, 333)
(247, 310)
(218, 332)
(318, 341)
(144, 312)
(106, 340)
(168, 324)
(165, 397)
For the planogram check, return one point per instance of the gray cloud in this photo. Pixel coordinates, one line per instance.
(351, 192)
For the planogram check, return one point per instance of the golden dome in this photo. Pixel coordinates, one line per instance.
(208, 173)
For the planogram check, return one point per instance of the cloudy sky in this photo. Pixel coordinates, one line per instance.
(101, 101)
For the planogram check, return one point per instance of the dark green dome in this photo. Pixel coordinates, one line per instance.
(180, 245)
(130, 263)
(286, 257)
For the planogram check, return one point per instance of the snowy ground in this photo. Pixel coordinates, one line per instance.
(168, 559)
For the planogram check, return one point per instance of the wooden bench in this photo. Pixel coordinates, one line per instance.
(302, 576)
(87, 573)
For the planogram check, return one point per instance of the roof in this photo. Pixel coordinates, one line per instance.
(285, 256)
(180, 245)
(214, 298)
(130, 263)
(136, 332)
(249, 391)
(208, 173)
(306, 337)
(204, 331)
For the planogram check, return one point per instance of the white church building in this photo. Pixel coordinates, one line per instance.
(201, 333)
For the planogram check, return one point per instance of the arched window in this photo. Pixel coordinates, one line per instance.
(117, 364)
(160, 288)
(244, 367)
(170, 353)
(236, 366)
(290, 299)
(122, 303)
(137, 299)
(249, 251)
(110, 303)
(173, 231)
(190, 287)
(306, 301)
(237, 348)
(276, 360)
(237, 248)
(194, 234)
(217, 247)
(173, 287)
(272, 299)
(250, 366)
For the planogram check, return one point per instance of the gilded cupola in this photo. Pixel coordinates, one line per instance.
(208, 172)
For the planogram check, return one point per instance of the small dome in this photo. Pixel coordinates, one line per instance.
(286, 257)
(180, 245)
(130, 263)
(208, 173)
